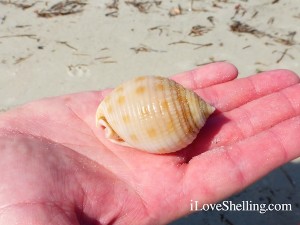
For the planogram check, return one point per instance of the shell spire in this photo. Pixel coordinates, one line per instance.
(153, 114)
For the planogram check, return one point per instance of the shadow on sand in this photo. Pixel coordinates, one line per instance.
(282, 186)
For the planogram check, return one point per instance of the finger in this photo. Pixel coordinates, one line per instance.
(248, 120)
(262, 114)
(200, 77)
(233, 94)
(221, 172)
(207, 75)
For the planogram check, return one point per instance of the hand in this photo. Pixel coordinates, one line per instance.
(57, 167)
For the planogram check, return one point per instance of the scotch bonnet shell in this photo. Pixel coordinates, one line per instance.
(153, 114)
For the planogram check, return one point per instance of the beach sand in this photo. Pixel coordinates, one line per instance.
(48, 48)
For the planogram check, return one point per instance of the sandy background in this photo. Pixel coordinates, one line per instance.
(50, 48)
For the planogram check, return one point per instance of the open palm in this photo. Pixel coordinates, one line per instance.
(56, 167)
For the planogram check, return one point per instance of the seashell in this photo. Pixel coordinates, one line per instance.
(152, 114)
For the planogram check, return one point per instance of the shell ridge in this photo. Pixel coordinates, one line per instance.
(190, 96)
(181, 133)
(165, 111)
(182, 104)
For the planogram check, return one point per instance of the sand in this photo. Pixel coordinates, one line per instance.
(104, 44)
(49, 49)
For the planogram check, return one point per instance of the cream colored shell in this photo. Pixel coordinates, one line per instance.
(153, 114)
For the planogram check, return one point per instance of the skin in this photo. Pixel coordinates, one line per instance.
(56, 167)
